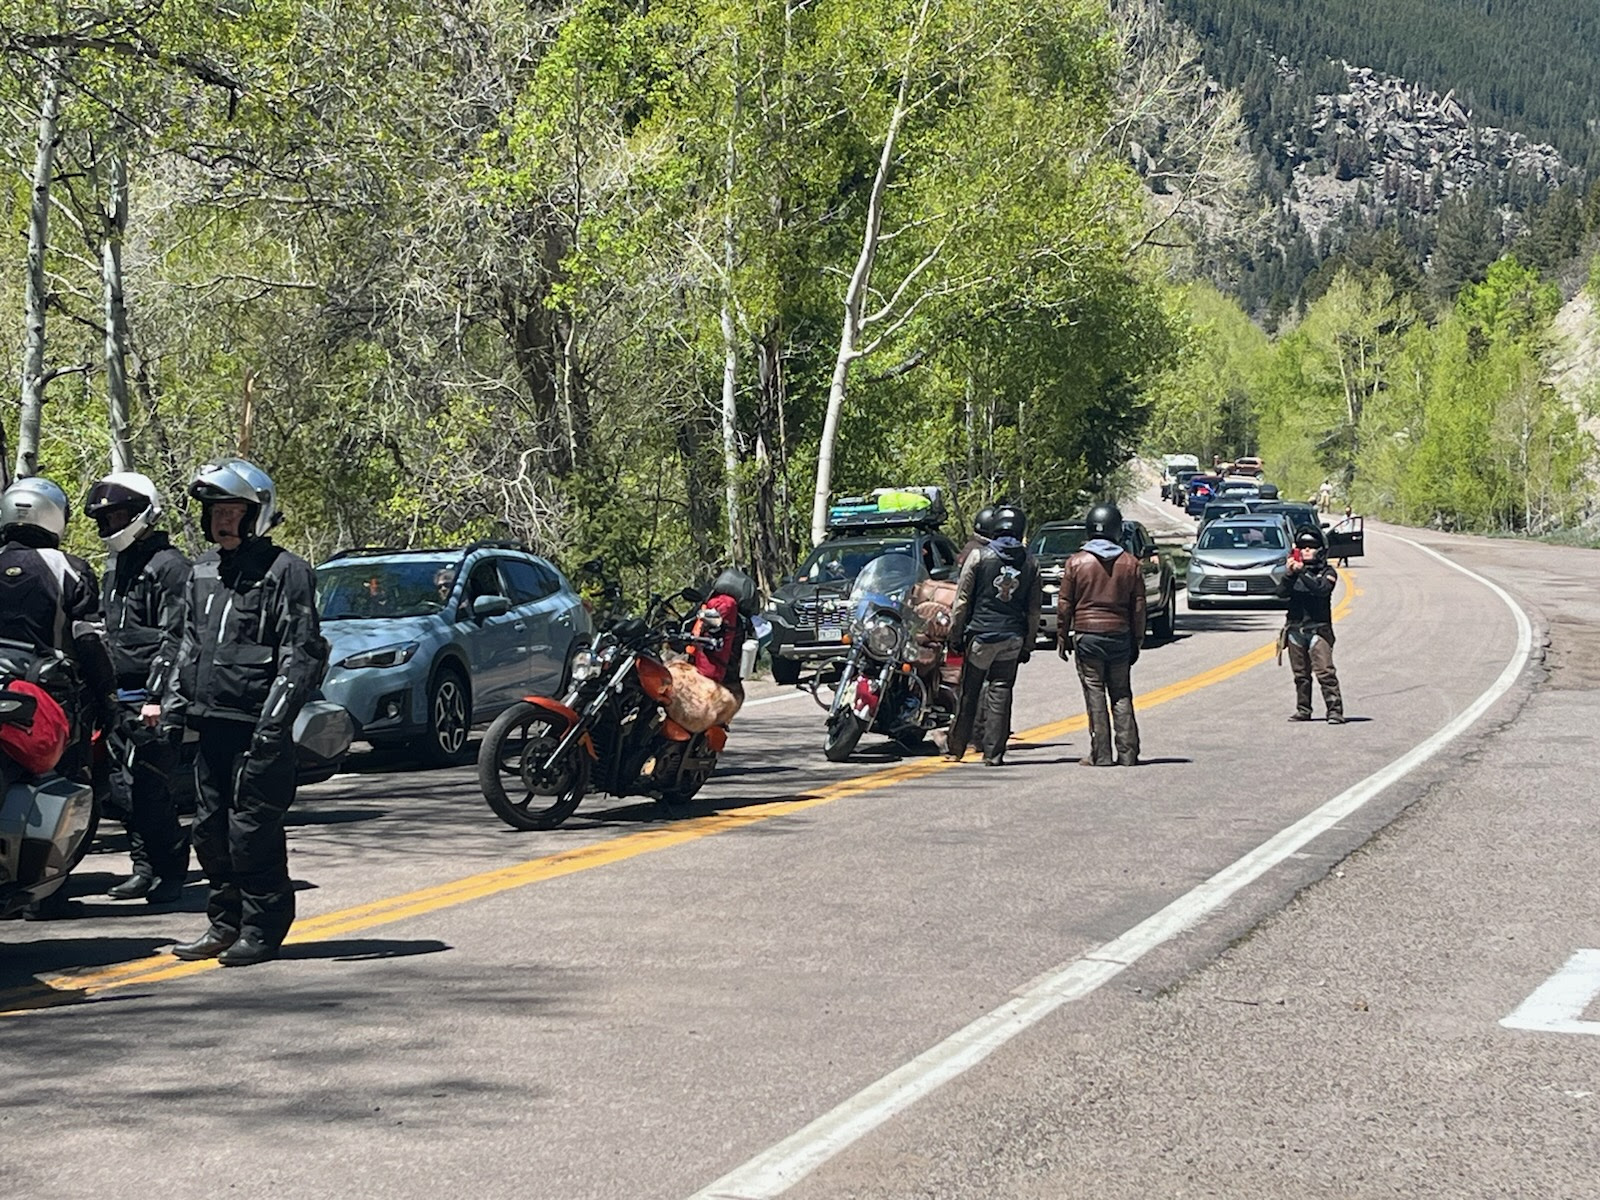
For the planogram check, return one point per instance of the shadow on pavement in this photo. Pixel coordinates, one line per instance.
(363, 949)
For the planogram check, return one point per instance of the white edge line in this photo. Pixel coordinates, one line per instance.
(779, 1168)
(773, 699)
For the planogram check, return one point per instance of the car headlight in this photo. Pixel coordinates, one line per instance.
(383, 656)
(883, 634)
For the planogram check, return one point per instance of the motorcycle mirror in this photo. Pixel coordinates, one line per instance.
(693, 596)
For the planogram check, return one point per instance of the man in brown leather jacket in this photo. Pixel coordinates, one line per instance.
(1101, 615)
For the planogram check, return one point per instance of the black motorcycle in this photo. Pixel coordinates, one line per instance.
(890, 682)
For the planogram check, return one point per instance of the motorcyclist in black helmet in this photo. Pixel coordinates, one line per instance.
(1308, 628)
(981, 524)
(1101, 617)
(143, 592)
(252, 655)
(995, 619)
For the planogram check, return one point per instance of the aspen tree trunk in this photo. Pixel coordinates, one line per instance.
(854, 300)
(116, 315)
(37, 292)
(730, 334)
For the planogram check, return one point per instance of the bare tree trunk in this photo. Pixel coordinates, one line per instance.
(33, 355)
(856, 292)
(730, 333)
(116, 315)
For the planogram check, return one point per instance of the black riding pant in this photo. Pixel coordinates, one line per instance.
(988, 676)
(142, 763)
(240, 803)
(1105, 664)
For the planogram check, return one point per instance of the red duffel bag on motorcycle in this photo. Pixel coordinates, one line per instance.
(36, 746)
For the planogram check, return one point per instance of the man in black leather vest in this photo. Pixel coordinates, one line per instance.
(995, 619)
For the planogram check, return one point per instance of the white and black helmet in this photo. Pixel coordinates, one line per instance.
(34, 503)
(236, 479)
(126, 490)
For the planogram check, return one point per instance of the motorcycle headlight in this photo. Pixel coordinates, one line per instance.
(586, 664)
(383, 656)
(883, 636)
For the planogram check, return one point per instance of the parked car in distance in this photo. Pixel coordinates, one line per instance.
(1300, 515)
(1240, 560)
(1218, 509)
(1056, 541)
(1175, 492)
(1248, 466)
(810, 610)
(1237, 488)
(1198, 492)
(1171, 464)
(428, 643)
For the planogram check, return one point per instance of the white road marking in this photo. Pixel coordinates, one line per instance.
(773, 699)
(779, 1168)
(1558, 1004)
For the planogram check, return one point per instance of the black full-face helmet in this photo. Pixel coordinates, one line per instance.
(1104, 520)
(1309, 538)
(983, 523)
(1010, 521)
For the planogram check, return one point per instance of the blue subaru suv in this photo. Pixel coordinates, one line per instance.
(428, 643)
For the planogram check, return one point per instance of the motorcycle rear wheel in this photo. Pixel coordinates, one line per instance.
(513, 752)
(844, 731)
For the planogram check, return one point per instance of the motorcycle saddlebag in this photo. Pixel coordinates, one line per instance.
(34, 740)
(322, 734)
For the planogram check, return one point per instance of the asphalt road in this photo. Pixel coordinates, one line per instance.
(642, 1005)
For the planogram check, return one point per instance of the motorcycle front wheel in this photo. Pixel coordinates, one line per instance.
(844, 731)
(511, 769)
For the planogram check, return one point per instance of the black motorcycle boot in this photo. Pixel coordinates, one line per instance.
(250, 949)
(137, 885)
(165, 891)
(209, 944)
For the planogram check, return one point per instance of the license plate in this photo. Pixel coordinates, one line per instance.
(829, 633)
(1238, 585)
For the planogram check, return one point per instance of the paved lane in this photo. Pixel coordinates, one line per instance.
(642, 1026)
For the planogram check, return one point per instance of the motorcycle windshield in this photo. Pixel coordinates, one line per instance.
(885, 584)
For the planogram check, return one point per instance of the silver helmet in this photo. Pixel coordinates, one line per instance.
(37, 503)
(123, 490)
(236, 479)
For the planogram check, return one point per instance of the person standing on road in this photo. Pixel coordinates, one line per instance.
(995, 619)
(142, 594)
(1308, 628)
(1101, 617)
(252, 655)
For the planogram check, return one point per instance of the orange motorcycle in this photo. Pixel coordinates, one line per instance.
(609, 733)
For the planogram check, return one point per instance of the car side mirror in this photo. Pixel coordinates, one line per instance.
(1326, 525)
(485, 607)
(786, 580)
(942, 574)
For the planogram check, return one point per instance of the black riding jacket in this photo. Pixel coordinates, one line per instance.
(252, 646)
(50, 601)
(143, 593)
(1309, 592)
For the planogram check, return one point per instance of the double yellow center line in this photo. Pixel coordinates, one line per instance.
(70, 987)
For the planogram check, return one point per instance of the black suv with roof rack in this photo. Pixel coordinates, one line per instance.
(810, 610)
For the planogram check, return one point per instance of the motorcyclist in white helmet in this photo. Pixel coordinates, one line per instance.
(252, 655)
(142, 594)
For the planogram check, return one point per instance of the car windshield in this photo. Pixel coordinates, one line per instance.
(413, 587)
(834, 562)
(1058, 543)
(1241, 537)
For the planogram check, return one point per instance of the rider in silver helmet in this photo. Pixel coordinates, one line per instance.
(252, 655)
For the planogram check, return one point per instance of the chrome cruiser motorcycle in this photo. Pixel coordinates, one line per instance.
(891, 680)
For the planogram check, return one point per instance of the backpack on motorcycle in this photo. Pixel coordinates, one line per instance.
(735, 583)
(52, 671)
(33, 727)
